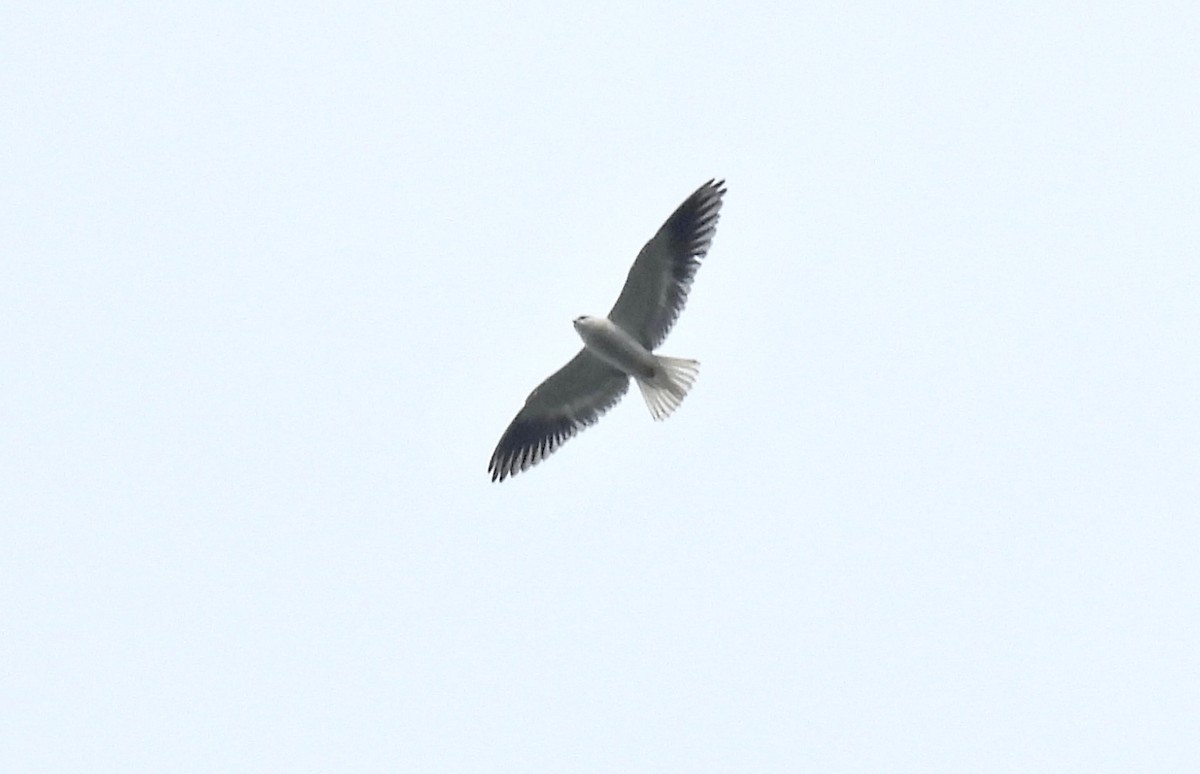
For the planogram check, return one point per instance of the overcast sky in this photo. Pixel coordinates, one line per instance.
(275, 277)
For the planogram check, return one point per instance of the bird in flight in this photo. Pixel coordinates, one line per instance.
(621, 345)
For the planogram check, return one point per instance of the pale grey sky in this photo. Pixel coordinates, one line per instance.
(275, 278)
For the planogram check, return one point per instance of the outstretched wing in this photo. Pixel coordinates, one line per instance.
(658, 284)
(572, 398)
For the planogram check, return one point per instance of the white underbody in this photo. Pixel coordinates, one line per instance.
(664, 381)
(614, 346)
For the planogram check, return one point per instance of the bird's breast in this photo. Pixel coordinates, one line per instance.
(616, 347)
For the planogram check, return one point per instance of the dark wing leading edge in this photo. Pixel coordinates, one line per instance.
(572, 398)
(658, 284)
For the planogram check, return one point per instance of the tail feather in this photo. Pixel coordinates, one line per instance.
(666, 389)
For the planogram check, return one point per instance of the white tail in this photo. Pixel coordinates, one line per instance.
(665, 390)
